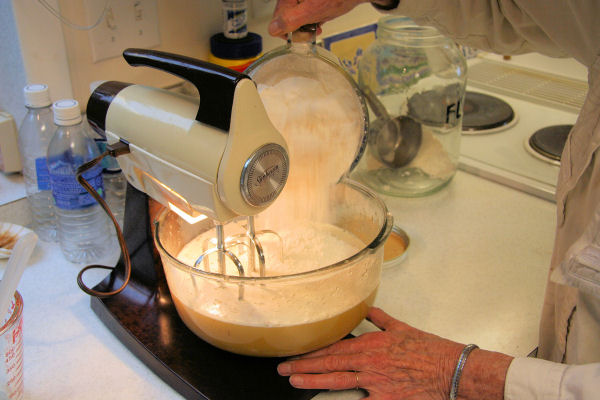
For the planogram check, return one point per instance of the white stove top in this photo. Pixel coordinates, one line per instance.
(539, 99)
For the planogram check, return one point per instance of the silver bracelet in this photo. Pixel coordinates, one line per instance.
(459, 368)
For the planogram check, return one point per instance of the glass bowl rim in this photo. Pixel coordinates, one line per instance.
(374, 245)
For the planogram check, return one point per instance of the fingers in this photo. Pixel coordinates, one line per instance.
(332, 381)
(289, 16)
(343, 362)
(384, 321)
(283, 5)
(355, 345)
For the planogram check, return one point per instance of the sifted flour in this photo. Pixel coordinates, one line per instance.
(321, 119)
(299, 301)
(302, 248)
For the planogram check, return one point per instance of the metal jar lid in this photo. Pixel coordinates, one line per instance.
(395, 247)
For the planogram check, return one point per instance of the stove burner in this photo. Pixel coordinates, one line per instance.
(482, 112)
(550, 141)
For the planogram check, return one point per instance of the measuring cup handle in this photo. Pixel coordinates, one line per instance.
(311, 29)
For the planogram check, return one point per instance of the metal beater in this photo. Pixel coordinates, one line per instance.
(248, 240)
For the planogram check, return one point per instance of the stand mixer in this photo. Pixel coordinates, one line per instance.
(201, 160)
(212, 163)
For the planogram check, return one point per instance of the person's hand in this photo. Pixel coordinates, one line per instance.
(289, 15)
(397, 362)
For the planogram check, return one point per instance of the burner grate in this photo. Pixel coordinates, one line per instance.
(538, 87)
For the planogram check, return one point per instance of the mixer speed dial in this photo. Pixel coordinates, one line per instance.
(264, 174)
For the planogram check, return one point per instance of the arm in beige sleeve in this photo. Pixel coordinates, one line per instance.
(501, 26)
(531, 379)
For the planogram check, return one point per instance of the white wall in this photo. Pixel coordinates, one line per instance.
(60, 56)
(42, 47)
(12, 71)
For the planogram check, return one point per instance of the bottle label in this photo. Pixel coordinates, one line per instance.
(68, 193)
(235, 20)
(41, 172)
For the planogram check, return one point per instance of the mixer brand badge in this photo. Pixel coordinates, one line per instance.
(268, 172)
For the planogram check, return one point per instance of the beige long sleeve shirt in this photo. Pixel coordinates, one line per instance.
(570, 324)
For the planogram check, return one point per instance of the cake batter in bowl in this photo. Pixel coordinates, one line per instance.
(322, 275)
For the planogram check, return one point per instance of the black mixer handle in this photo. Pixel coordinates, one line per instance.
(216, 84)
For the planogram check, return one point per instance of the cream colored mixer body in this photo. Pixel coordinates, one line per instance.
(219, 156)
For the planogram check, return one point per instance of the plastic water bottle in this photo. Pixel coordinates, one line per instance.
(115, 183)
(235, 18)
(82, 228)
(35, 133)
(115, 186)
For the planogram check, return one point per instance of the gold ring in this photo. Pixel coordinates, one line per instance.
(357, 384)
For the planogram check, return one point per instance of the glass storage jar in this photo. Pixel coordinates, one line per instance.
(413, 79)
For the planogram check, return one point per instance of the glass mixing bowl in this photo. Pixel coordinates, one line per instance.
(283, 315)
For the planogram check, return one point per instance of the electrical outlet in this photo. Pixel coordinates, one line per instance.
(127, 23)
(262, 8)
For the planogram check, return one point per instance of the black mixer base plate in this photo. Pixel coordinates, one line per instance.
(145, 320)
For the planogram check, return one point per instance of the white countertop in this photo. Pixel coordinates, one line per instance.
(475, 273)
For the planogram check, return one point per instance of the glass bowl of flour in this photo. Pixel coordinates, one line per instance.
(321, 274)
(316, 106)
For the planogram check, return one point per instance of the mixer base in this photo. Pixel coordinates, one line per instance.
(144, 318)
(146, 321)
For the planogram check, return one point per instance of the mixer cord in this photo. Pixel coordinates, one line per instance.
(115, 150)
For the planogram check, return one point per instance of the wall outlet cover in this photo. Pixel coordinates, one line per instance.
(126, 23)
